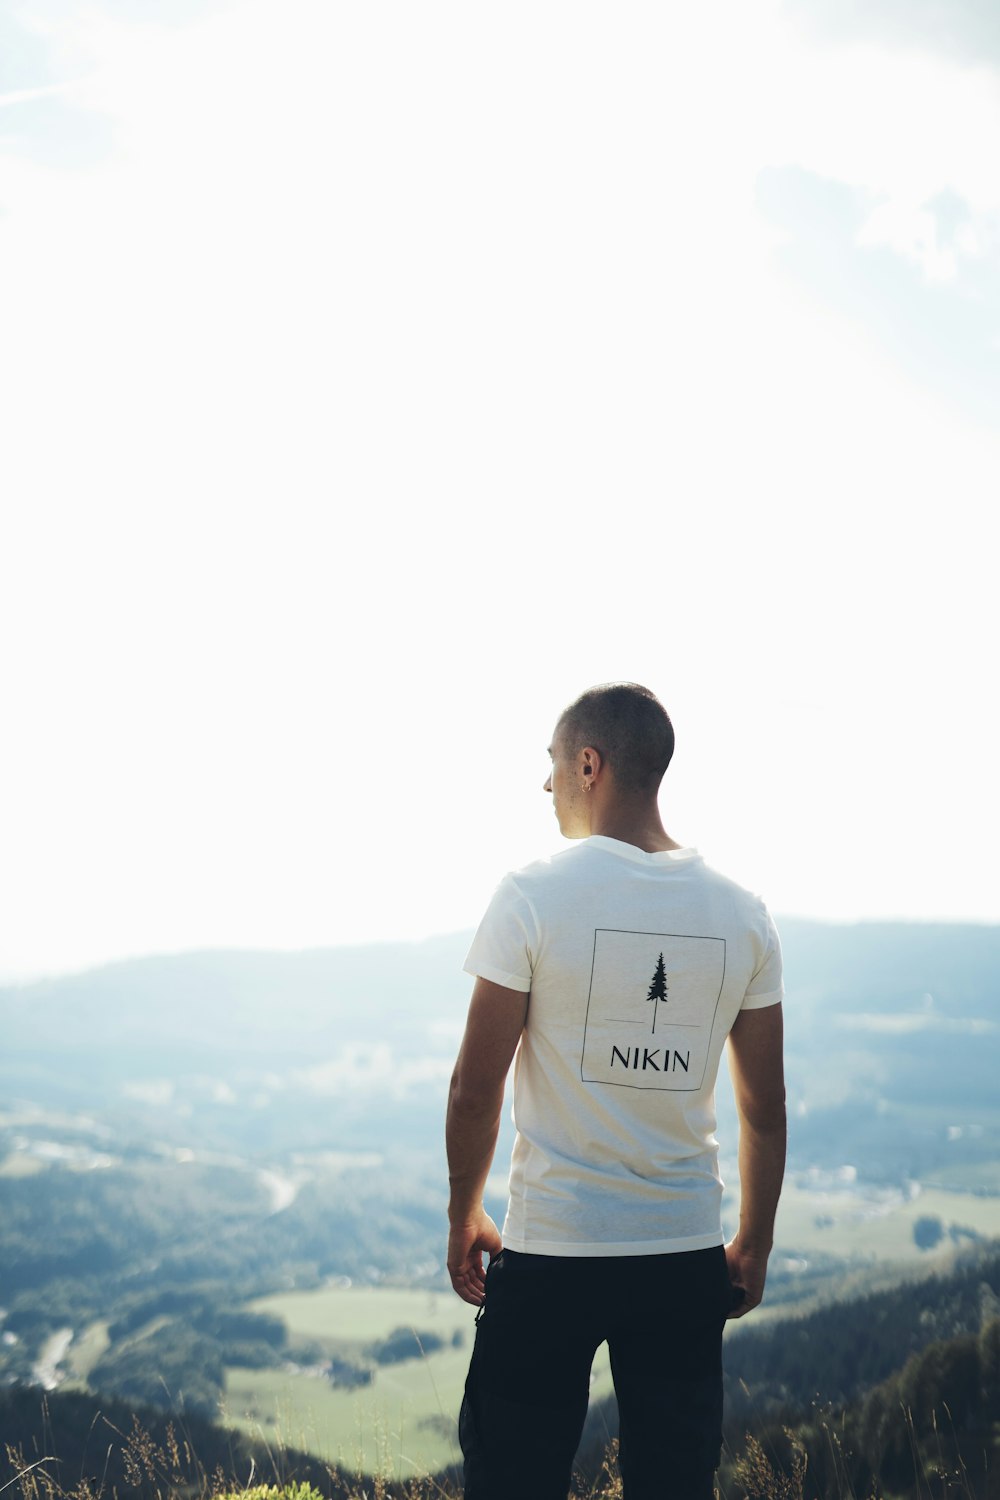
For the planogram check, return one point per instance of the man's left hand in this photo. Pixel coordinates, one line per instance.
(748, 1271)
(466, 1243)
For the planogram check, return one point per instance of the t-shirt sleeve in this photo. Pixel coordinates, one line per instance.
(503, 947)
(766, 987)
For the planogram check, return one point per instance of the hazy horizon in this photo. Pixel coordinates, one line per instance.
(18, 978)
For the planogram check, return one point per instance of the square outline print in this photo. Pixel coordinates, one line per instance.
(706, 1028)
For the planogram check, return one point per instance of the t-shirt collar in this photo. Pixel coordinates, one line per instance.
(641, 856)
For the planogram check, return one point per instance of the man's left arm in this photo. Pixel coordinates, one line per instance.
(475, 1101)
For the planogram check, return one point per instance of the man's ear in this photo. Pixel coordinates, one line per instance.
(591, 762)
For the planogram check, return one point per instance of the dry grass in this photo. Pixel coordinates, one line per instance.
(170, 1470)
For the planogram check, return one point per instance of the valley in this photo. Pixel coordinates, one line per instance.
(222, 1182)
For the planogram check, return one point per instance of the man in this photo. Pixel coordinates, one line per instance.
(616, 971)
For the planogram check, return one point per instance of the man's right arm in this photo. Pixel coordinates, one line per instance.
(757, 1069)
(475, 1101)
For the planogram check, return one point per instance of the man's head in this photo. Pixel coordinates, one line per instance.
(617, 731)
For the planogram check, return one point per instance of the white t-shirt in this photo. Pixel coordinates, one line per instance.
(637, 966)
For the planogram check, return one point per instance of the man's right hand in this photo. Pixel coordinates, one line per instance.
(466, 1242)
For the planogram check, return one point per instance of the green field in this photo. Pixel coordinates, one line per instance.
(405, 1423)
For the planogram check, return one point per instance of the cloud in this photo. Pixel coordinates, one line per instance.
(910, 1024)
(45, 126)
(45, 69)
(922, 278)
(158, 1091)
(937, 236)
(965, 29)
(882, 185)
(25, 56)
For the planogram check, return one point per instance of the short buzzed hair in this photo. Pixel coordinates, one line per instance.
(630, 728)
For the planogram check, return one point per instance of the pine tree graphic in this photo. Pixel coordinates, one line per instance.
(658, 988)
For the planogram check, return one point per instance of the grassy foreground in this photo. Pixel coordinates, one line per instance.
(125, 1457)
(147, 1469)
(158, 1462)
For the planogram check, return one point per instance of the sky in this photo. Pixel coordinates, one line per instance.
(375, 378)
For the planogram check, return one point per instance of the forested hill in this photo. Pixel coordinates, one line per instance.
(943, 978)
(235, 1003)
(868, 1386)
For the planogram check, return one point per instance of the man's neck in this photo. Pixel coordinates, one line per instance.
(640, 826)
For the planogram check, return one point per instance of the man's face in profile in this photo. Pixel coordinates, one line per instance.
(565, 783)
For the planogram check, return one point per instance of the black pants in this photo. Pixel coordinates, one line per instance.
(529, 1378)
